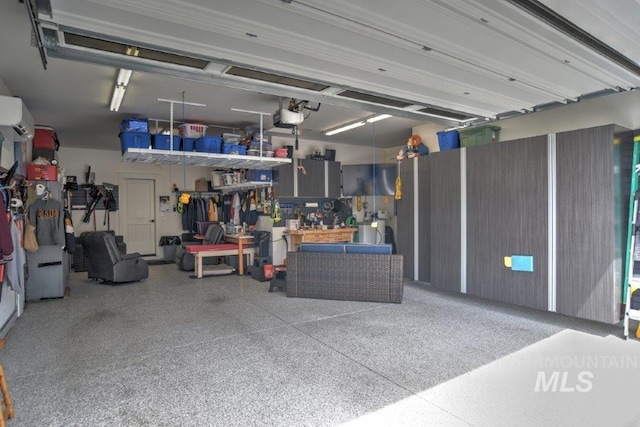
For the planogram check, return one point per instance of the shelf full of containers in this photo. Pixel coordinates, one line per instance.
(193, 147)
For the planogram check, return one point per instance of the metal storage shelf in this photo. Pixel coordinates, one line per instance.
(245, 185)
(212, 160)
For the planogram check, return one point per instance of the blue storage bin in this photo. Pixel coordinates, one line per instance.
(208, 144)
(134, 140)
(161, 142)
(234, 149)
(134, 125)
(448, 140)
(259, 175)
(187, 144)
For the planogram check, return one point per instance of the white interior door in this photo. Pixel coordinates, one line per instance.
(140, 216)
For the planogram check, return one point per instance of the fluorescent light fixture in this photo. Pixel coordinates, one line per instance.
(122, 81)
(345, 128)
(116, 99)
(124, 76)
(377, 118)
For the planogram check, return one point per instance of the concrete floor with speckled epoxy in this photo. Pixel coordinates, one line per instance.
(221, 350)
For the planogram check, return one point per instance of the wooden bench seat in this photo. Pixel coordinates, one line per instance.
(223, 249)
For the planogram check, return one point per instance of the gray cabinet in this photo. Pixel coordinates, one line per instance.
(316, 178)
(556, 199)
(283, 177)
(405, 234)
(311, 183)
(335, 179)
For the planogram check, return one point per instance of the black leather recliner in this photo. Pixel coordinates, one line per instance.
(105, 261)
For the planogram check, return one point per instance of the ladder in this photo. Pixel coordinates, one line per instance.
(631, 282)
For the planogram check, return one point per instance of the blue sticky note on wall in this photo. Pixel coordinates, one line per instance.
(522, 263)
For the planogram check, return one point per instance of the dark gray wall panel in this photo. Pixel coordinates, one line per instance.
(424, 219)
(585, 211)
(445, 219)
(507, 214)
(405, 229)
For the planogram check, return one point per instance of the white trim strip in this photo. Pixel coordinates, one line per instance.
(295, 177)
(552, 218)
(416, 219)
(463, 220)
(326, 179)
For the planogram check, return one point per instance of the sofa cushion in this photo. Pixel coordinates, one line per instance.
(333, 248)
(365, 248)
(349, 248)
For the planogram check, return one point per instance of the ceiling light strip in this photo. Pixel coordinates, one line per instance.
(116, 98)
(378, 118)
(345, 128)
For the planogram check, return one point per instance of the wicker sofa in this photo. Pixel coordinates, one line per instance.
(345, 271)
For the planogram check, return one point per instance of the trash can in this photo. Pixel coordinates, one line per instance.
(170, 246)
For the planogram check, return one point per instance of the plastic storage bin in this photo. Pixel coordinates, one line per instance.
(479, 136)
(192, 130)
(258, 175)
(161, 142)
(231, 138)
(234, 149)
(208, 144)
(134, 140)
(134, 125)
(187, 144)
(281, 152)
(255, 145)
(448, 140)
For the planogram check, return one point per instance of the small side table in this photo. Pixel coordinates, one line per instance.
(280, 279)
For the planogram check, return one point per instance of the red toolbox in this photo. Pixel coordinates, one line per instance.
(42, 172)
(45, 137)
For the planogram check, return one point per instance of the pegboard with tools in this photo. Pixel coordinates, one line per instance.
(316, 211)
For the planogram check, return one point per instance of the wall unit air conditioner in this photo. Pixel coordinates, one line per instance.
(14, 113)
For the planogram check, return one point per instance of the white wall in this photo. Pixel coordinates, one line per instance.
(108, 167)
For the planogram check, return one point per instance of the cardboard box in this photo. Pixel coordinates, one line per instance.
(42, 172)
(202, 184)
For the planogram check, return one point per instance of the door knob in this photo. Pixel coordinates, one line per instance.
(152, 220)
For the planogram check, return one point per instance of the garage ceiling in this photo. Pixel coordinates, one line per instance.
(453, 62)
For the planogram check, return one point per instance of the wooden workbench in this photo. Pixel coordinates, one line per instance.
(320, 236)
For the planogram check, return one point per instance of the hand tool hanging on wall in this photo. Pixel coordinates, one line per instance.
(95, 195)
(109, 203)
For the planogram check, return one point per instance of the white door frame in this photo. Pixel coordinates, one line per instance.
(123, 198)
